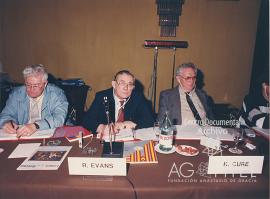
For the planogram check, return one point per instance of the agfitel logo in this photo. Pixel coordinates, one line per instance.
(187, 170)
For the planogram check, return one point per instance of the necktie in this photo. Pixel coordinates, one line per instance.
(193, 108)
(34, 112)
(121, 112)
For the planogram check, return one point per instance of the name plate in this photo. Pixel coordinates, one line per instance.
(97, 166)
(210, 142)
(235, 164)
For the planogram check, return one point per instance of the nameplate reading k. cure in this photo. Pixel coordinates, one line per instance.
(235, 164)
(97, 166)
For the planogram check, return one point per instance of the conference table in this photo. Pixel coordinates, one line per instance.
(174, 176)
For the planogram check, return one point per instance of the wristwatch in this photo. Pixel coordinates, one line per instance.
(36, 125)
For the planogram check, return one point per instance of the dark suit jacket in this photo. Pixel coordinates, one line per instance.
(169, 100)
(136, 110)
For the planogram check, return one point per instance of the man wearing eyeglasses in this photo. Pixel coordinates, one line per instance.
(185, 103)
(127, 108)
(35, 106)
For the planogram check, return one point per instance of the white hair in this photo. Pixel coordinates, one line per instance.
(35, 69)
(184, 66)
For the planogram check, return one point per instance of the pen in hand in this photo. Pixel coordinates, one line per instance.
(12, 124)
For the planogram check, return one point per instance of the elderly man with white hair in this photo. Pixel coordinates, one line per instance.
(35, 105)
(185, 103)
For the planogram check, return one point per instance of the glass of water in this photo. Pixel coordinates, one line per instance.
(156, 129)
(238, 138)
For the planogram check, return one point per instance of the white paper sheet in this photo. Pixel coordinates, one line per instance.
(123, 135)
(24, 150)
(146, 134)
(195, 132)
(37, 135)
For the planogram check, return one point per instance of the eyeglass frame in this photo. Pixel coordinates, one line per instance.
(34, 86)
(188, 78)
(123, 84)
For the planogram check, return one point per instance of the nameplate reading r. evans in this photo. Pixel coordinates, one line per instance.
(97, 166)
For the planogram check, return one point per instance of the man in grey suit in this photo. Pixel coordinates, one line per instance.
(185, 103)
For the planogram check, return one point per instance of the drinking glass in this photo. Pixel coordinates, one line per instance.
(237, 137)
(156, 128)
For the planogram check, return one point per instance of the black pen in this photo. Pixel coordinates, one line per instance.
(11, 122)
(14, 127)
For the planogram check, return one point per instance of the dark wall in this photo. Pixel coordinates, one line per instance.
(261, 52)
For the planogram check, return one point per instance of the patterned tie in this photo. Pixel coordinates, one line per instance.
(34, 115)
(193, 109)
(121, 112)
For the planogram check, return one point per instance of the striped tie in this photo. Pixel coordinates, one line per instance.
(193, 108)
(121, 117)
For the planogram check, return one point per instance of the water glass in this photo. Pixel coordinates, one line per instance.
(237, 137)
(156, 129)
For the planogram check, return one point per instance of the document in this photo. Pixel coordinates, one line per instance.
(196, 132)
(37, 135)
(24, 150)
(46, 158)
(123, 135)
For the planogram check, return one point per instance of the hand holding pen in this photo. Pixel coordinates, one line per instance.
(11, 127)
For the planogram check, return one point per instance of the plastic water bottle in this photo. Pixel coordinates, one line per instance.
(166, 134)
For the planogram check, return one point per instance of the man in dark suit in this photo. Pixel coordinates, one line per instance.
(185, 103)
(127, 108)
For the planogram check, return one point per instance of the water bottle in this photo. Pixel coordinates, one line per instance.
(166, 134)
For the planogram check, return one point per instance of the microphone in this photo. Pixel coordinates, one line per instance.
(106, 105)
(111, 148)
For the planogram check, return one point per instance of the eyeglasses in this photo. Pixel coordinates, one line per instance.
(123, 85)
(188, 78)
(33, 86)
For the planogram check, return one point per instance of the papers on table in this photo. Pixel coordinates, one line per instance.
(146, 134)
(130, 135)
(182, 132)
(24, 150)
(46, 158)
(196, 132)
(188, 132)
(37, 135)
(123, 135)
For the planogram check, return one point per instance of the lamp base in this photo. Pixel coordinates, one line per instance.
(117, 150)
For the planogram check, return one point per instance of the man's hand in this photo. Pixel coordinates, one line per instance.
(26, 130)
(103, 130)
(10, 127)
(124, 125)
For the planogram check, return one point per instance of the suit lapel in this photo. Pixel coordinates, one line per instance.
(111, 105)
(23, 113)
(176, 106)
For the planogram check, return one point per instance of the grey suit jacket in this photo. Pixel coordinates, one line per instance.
(169, 100)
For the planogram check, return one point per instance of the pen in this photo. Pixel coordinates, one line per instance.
(11, 122)
(14, 127)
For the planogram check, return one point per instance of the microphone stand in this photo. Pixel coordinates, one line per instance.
(106, 103)
(111, 149)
